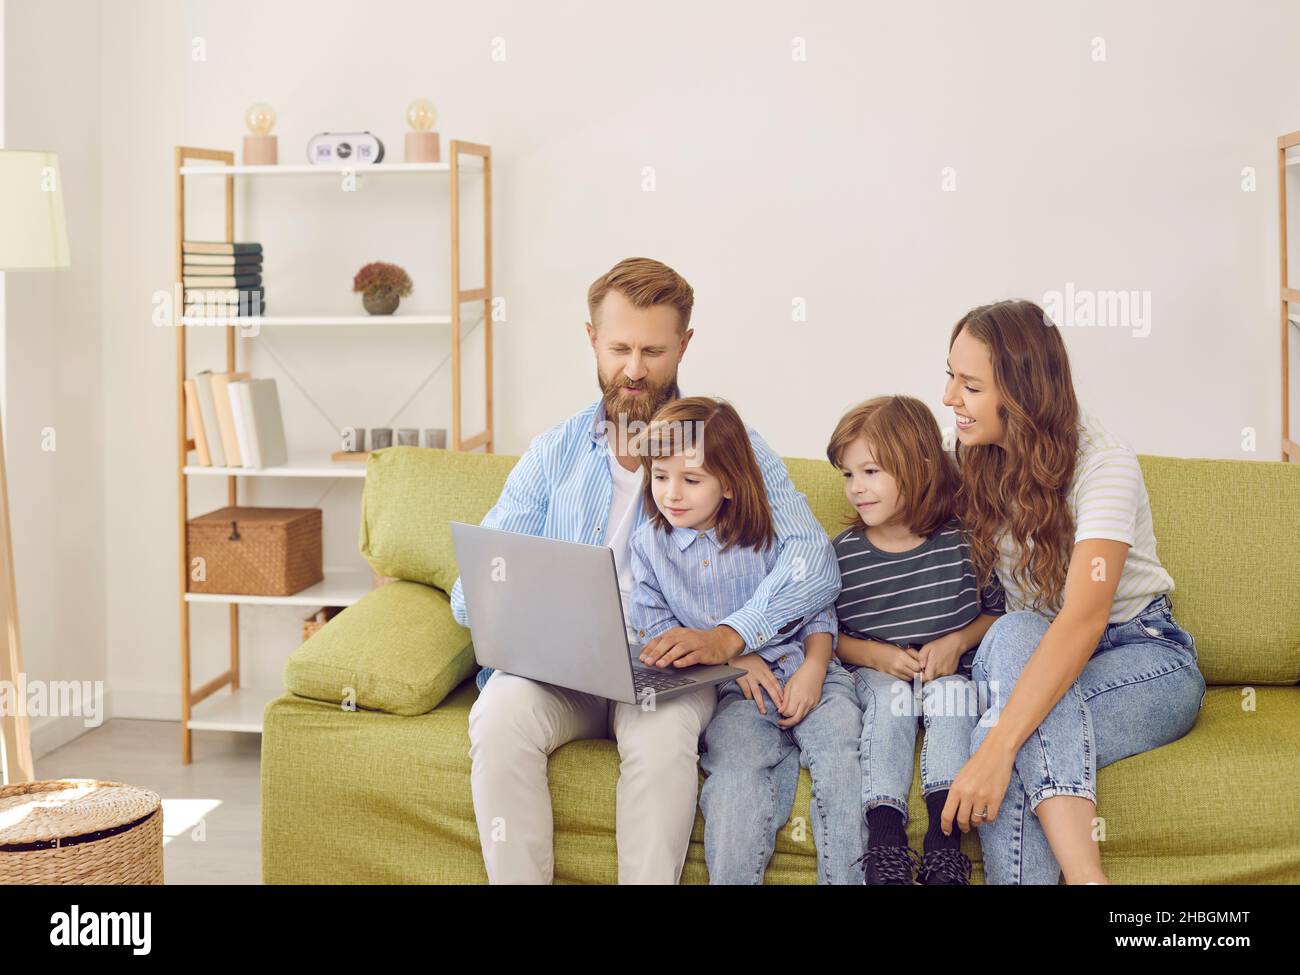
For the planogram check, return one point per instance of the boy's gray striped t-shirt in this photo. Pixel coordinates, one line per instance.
(910, 598)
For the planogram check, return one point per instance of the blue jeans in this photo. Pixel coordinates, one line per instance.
(891, 711)
(1140, 689)
(753, 769)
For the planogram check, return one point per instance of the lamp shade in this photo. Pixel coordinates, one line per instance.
(32, 232)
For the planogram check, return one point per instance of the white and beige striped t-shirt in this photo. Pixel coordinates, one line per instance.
(1108, 499)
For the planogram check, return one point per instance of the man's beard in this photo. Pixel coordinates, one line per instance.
(634, 408)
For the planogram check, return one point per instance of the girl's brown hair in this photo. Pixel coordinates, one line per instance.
(1022, 486)
(906, 444)
(713, 429)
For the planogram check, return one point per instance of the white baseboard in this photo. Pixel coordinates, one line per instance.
(51, 733)
(145, 705)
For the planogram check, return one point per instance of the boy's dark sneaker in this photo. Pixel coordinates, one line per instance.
(947, 867)
(889, 865)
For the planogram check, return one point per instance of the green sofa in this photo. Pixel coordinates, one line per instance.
(365, 771)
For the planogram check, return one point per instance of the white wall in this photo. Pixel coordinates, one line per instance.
(776, 179)
(54, 388)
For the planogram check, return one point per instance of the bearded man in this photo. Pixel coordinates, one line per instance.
(578, 482)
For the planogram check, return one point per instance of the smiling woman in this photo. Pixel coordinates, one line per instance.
(1010, 388)
(1088, 666)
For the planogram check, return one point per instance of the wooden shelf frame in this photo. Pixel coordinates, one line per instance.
(1289, 296)
(461, 295)
(340, 588)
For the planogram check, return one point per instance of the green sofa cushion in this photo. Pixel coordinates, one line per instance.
(1228, 531)
(402, 784)
(410, 495)
(398, 648)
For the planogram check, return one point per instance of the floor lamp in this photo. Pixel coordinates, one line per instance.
(32, 238)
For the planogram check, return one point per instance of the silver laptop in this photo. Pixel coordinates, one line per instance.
(550, 611)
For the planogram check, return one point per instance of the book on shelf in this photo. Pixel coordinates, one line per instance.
(225, 421)
(223, 311)
(241, 431)
(237, 422)
(255, 404)
(224, 302)
(208, 417)
(213, 270)
(192, 410)
(221, 260)
(221, 280)
(220, 247)
(223, 293)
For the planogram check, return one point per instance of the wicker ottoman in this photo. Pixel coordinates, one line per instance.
(80, 831)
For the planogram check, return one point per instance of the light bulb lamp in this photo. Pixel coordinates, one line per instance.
(33, 237)
(421, 141)
(260, 147)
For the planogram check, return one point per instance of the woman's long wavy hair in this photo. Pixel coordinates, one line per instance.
(1022, 486)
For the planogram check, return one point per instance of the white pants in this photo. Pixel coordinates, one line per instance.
(515, 725)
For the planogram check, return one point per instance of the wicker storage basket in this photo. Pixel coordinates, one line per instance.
(318, 619)
(80, 831)
(255, 551)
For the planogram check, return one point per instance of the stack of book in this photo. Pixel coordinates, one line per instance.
(222, 279)
(235, 419)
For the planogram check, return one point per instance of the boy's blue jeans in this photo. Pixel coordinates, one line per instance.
(891, 712)
(753, 769)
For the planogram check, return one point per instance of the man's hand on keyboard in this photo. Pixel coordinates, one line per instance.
(684, 647)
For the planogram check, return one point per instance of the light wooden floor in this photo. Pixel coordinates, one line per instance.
(211, 807)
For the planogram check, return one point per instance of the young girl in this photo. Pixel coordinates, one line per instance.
(909, 611)
(707, 547)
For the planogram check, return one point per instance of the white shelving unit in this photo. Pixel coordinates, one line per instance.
(274, 320)
(221, 704)
(471, 165)
(294, 468)
(239, 710)
(340, 587)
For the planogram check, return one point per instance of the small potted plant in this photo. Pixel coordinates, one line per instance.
(382, 287)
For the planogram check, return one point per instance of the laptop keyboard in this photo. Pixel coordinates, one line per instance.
(657, 680)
